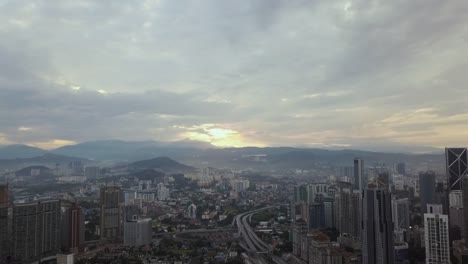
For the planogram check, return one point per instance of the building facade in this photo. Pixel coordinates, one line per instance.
(359, 181)
(377, 227)
(436, 238)
(426, 189)
(73, 229)
(401, 213)
(111, 212)
(457, 167)
(35, 231)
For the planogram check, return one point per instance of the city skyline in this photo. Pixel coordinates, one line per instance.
(327, 74)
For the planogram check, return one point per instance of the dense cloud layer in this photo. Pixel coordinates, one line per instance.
(364, 74)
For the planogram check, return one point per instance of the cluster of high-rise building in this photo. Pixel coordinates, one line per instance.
(375, 223)
(119, 221)
(36, 230)
(32, 231)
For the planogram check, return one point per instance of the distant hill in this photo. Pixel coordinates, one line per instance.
(44, 160)
(119, 150)
(161, 163)
(43, 171)
(20, 152)
(201, 154)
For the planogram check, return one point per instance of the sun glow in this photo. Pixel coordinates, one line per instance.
(218, 136)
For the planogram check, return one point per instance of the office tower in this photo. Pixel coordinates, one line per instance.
(35, 231)
(315, 189)
(292, 211)
(300, 193)
(73, 229)
(436, 236)
(465, 207)
(343, 207)
(163, 192)
(359, 181)
(4, 194)
(426, 189)
(4, 233)
(457, 168)
(111, 212)
(400, 213)
(383, 180)
(377, 227)
(346, 174)
(441, 197)
(298, 231)
(456, 212)
(4, 223)
(400, 168)
(356, 215)
(329, 210)
(137, 232)
(316, 216)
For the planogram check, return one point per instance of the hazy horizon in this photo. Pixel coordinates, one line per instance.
(324, 74)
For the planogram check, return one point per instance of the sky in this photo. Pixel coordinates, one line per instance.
(369, 74)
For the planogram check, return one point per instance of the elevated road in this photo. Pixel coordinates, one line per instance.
(256, 247)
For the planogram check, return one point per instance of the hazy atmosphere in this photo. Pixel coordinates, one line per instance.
(359, 74)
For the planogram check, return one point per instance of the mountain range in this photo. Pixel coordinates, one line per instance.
(200, 154)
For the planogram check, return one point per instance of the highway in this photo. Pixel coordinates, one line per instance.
(256, 248)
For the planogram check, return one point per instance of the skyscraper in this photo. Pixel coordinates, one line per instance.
(4, 194)
(456, 214)
(377, 227)
(4, 223)
(343, 207)
(457, 168)
(383, 179)
(436, 237)
(111, 212)
(401, 213)
(4, 233)
(73, 229)
(400, 168)
(315, 189)
(356, 215)
(35, 231)
(465, 207)
(316, 218)
(426, 189)
(300, 193)
(359, 181)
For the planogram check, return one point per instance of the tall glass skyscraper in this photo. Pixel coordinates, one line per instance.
(426, 189)
(377, 227)
(457, 167)
(359, 174)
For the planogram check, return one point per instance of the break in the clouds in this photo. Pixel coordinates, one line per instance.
(362, 74)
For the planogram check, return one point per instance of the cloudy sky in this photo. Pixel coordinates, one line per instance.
(362, 74)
